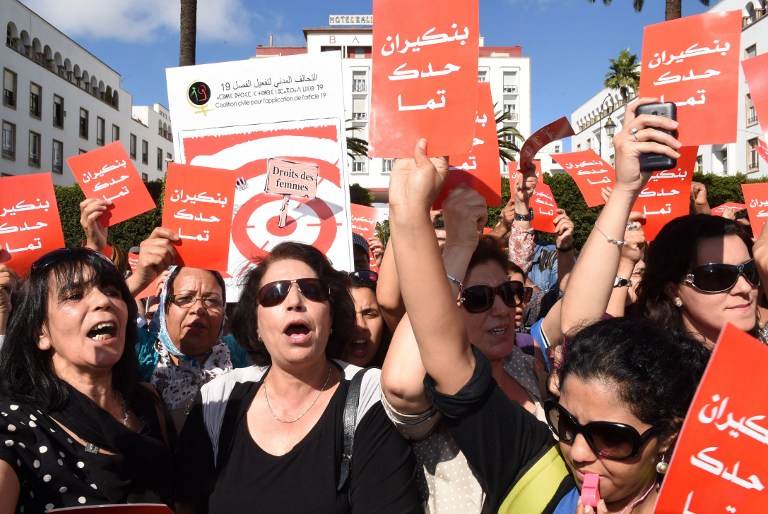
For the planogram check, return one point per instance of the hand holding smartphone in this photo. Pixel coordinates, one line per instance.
(652, 161)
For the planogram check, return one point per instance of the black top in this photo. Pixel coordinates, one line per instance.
(304, 479)
(56, 471)
(500, 439)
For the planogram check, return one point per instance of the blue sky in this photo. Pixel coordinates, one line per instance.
(569, 42)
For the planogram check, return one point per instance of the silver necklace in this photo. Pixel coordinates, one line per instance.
(297, 418)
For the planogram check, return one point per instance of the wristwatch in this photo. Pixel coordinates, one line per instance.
(621, 282)
(524, 217)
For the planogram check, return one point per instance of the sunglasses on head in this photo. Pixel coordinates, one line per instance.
(480, 298)
(364, 276)
(614, 441)
(719, 278)
(275, 292)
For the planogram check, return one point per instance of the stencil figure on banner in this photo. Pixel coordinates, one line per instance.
(79, 429)
(257, 432)
(491, 293)
(699, 272)
(527, 472)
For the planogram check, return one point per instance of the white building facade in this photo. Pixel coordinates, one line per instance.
(589, 119)
(504, 67)
(60, 101)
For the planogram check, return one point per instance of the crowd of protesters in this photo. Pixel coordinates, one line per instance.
(510, 369)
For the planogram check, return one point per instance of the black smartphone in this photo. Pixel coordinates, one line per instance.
(653, 161)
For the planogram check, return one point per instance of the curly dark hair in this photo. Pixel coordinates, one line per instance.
(671, 256)
(489, 249)
(656, 370)
(26, 372)
(245, 322)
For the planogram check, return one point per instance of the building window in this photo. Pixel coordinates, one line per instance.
(80, 151)
(58, 111)
(145, 177)
(115, 133)
(359, 83)
(133, 146)
(699, 167)
(34, 149)
(482, 76)
(57, 158)
(9, 88)
(510, 82)
(358, 166)
(9, 140)
(750, 51)
(168, 157)
(724, 159)
(83, 123)
(144, 152)
(35, 94)
(159, 159)
(751, 114)
(386, 165)
(358, 109)
(100, 131)
(752, 160)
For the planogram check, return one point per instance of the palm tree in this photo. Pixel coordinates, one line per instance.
(673, 11)
(187, 32)
(624, 74)
(356, 146)
(507, 136)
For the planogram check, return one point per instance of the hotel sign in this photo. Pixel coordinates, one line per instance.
(350, 19)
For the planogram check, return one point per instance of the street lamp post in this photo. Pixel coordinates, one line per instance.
(610, 125)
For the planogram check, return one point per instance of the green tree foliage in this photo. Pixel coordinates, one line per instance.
(508, 137)
(672, 11)
(125, 235)
(623, 74)
(360, 195)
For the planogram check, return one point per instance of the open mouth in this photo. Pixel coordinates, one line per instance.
(103, 331)
(359, 347)
(497, 331)
(297, 328)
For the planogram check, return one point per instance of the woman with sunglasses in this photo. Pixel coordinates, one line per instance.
(183, 348)
(370, 341)
(77, 427)
(699, 270)
(490, 300)
(619, 402)
(273, 434)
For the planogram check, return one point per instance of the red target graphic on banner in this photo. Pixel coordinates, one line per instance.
(255, 230)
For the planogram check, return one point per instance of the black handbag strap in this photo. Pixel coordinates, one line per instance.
(350, 423)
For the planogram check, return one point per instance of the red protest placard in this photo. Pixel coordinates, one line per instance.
(109, 174)
(668, 194)
(151, 289)
(762, 149)
(364, 220)
(479, 168)
(694, 62)
(756, 198)
(720, 209)
(544, 208)
(558, 129)
(514, 169)
(756, 74)
(29, 220)
(719, 459)
(589, 171)
(424, 76)
(198, 207)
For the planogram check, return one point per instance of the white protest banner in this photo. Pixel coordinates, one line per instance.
(240, 115)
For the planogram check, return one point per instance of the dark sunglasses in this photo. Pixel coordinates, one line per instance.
(55, 256)
(614, 441)
(364, 276)
(480, 298)
(275, 292)
(719, 278)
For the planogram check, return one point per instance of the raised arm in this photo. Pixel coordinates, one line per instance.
(156, 253)
(429, 301)
(95, 233)
(591, 281)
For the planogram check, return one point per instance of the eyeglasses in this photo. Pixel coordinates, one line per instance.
(275, 292)
(480, 298)
(210, 303)
(614, 441)
(719, 278)
(364, 276)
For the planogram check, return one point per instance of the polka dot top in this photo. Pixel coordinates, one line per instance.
(53, 469)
